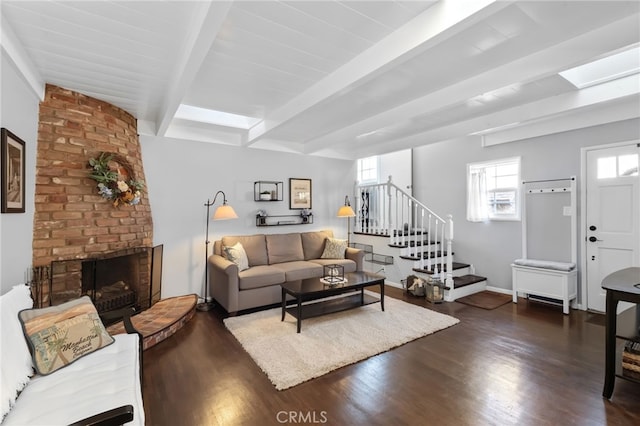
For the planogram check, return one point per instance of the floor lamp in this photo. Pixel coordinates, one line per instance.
(223, 212)
(347, 211)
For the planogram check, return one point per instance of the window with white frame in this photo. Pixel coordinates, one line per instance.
(493, 190)
(368, 170)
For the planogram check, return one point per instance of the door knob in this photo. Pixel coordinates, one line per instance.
(593, 239)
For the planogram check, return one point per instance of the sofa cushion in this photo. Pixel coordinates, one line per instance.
(60, 335)
(299, 270)
(260, 276)
(16, 367)
(284, 248)
(98, 382)
(254, 245)
(313, 243)
(349, 265)
(334, 249)
(237, 255)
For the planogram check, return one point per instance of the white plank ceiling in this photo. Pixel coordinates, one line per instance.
(343, 79)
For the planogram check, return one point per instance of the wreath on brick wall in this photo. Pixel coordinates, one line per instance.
(115, 178)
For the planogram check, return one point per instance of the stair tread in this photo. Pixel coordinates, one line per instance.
(455, 265)
(411, 244)
(426, 254)
(466, 280)
(409, 233)
(371, 234)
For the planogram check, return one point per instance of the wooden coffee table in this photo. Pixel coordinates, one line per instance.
(314, 289)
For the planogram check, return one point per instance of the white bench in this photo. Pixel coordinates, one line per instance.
(554, 280)
(103, 387)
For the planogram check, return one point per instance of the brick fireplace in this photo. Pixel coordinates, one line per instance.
(73, 223)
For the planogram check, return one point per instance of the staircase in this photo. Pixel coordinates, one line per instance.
(402, 237)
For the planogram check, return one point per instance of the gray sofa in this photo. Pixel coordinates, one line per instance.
(273, 259)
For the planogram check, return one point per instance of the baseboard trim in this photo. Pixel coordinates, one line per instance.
(499, 290)
(392, 284)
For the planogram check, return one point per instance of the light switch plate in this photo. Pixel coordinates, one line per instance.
(566, 211)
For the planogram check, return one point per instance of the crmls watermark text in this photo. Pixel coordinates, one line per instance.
(301, 417)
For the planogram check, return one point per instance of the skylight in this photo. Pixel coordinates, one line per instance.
(211, 116)
(606, 69)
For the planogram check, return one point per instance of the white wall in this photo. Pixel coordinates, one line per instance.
(182, 175)
(398, 166)
(440, 182)
(19, 114)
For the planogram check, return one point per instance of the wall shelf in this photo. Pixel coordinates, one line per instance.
(266, 190)
(282, 220)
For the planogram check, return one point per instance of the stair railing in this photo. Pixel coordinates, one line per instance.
(386, 209)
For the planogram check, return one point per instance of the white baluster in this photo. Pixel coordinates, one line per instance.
(422, 260)
(449, 279)
(442, 254)
(403, 206)
(380, 211)
(390, 221)
(416, 236)
(429, 251)
(435, 254)
(397, 221)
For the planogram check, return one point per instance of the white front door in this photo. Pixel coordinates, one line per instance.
(612, 216)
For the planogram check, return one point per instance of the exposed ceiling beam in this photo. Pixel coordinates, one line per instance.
(207, 23)
(203, 134)
(523, 70)
(443, 20)
(588, 116)
(612, 101)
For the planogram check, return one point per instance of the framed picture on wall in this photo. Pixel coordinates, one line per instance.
(299, 193)
(12, 165)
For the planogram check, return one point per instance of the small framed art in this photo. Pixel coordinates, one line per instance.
(299, 193)
(12, 164)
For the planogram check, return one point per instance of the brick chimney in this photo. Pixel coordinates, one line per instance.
(72, 221)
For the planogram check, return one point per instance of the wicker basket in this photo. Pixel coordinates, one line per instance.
(631, 360)
(417, 291)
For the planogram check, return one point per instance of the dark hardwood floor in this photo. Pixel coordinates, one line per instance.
(524, 364)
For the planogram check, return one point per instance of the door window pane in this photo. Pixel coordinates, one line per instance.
(606, 167)
(628, 165)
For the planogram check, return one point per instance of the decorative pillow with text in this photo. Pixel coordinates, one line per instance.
(60, 335)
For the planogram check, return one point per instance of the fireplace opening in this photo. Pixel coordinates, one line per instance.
(111, 282)
(116, 280)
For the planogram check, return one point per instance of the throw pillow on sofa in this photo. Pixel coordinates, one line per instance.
(334, 248)
(60, 335)
(237, 255)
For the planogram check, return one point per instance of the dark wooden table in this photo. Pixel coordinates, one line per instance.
(314, 289)
(623, 285)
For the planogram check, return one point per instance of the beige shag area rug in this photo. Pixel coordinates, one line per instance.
(331, 341)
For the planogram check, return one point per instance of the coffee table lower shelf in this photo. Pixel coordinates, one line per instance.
(323, 307)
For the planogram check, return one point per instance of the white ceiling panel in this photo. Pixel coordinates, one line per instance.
(342, 15)
(290, 21)
(333, 78)
(393, 15)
